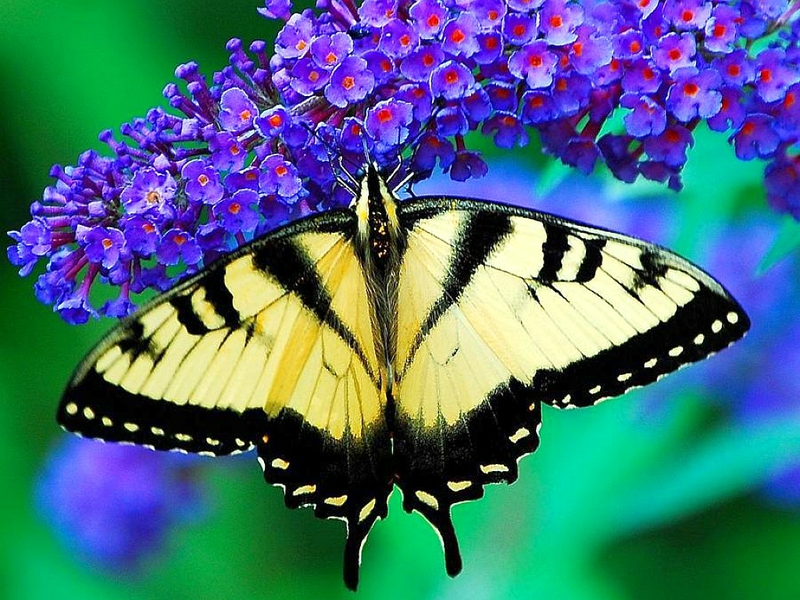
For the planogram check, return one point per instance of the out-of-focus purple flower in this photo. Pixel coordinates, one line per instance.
(115, 505)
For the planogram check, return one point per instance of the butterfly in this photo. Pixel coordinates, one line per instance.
(408, 344)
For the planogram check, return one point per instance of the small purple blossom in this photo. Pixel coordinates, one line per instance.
(460, 36)
(535, 63)
(177, 245)
(350, 82)
(695, 94)
(428, 16)
(388, 122)
(150, 191)
(237, 110)
(558, 21)
(675, 51)
(202, 182)
(451, 80)
(238, 214)
(103, 245)
(294, 39)
(330, 50)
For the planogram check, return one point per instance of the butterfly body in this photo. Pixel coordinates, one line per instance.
(407, 344)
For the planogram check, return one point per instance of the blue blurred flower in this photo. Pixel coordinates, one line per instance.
(114, 505)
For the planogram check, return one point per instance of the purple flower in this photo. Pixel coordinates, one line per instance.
(227, 153)
(399, 39)
(538, 107)
(721, 29)
(687, 14)
(150, 191)
(507, 130)
(378, 12)
(675, 51)
(276, 9)
(272, 122)
(756, 137)
(534, 63)
(735, 68)
(350, 82)
(432, 149)
(202, 182)
(451, 80)
(114, 505)
(388, 122)
(558, 21)
(330, 50)
(670, 147)
(695, 94)
(294, 39)
(642, 76)
(783, 186)
(238, 214)
(460, 36)
(141, 235)
(519, 29)
(102, 245)
(237, 110)
(419, 65)
(308, 77)
(774, 76)
(428, 16)
(467, 165)
(178, 245)
(646, 117)
(278, 176)
(489, 13)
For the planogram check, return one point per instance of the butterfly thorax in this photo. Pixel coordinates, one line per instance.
(379, 244)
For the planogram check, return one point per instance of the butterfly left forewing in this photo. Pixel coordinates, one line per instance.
(271, 347)
(503, 309)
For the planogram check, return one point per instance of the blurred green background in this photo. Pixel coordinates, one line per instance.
(652, 496)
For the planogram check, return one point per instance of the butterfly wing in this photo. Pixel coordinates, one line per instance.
(271, 347)
(503, 309)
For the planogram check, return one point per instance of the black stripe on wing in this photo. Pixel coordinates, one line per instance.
(294, 270)
(479, 235)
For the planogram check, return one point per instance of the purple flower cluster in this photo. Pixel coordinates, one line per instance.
(113, 505)
(624, 83)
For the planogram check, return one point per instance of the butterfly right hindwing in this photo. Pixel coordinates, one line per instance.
(502, 309)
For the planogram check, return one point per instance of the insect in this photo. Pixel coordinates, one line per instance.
(407, 344)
